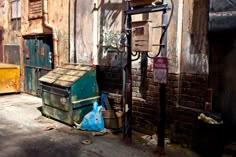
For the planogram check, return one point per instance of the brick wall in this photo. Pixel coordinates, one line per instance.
(182, 119)
(110, 80)
(190, 92)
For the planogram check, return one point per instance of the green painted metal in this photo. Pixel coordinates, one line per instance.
(69, 102)
(80, 90)
(37, 62)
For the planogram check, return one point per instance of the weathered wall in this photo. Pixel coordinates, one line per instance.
(58, 17)
(195, 44)
(29, 27)
(84, 31)
(110, 21)
(187, 85)
(9, 36)
(102, 15)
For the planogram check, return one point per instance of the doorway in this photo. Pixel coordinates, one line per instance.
(38, 61)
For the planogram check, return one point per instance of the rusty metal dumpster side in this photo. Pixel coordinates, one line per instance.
(68, 92)
(9, 78)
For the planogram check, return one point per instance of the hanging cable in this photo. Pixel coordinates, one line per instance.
(138, 54)
(164, 32)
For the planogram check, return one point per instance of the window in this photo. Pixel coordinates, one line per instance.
(35, 9)
(16, 14)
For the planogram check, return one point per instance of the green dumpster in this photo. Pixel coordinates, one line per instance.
(68, 92)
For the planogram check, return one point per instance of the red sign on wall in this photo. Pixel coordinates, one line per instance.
(160, 69)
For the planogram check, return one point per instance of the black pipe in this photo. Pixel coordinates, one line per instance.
(162, 122)
(146, 10)
(127, 129)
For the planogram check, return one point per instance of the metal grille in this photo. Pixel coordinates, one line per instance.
(35, 9)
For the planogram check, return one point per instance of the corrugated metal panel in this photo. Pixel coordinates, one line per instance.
(35, 8)
(12, 54)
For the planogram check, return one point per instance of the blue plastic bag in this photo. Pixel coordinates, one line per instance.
(92, 121)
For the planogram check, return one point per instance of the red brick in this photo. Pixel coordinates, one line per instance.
(172, 77)
(150, 75)
(201, 78)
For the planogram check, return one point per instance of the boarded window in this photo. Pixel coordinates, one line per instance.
(35, 9)
(16, 14)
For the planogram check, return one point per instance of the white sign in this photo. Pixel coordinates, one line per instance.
(160, 69)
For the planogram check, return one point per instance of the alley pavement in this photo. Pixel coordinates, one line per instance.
(24, 132)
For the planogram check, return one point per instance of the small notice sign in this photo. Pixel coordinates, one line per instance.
(160, 69)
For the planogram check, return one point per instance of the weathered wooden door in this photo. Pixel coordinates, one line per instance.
(38, 60)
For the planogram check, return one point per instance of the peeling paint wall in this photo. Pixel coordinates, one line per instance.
(58, 16)
(84, 31)
(111, 20)
(9, 36)
(195, 42)
(58, 12)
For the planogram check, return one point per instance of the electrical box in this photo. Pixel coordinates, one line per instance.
(141, 35)
(144, 2)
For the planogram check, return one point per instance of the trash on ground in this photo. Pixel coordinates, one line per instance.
(152, 140)
(101, 133)
(208, 120)
(50, 127)
(92, 121)
(86, 142)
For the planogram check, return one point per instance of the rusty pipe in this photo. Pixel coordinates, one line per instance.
(54, 33)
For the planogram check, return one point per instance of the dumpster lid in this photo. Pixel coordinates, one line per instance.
(66, 74)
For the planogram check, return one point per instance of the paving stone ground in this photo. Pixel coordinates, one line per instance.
(24, 132)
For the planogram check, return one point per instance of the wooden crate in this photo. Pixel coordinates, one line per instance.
(135, 3)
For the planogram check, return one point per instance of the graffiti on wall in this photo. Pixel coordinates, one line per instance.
(114, 41)
(112, 46)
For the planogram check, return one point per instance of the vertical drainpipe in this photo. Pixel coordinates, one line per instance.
(179, 45)
(54, 33)
(95, 33)
(75, 18)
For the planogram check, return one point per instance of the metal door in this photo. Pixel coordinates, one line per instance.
(38, 60)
